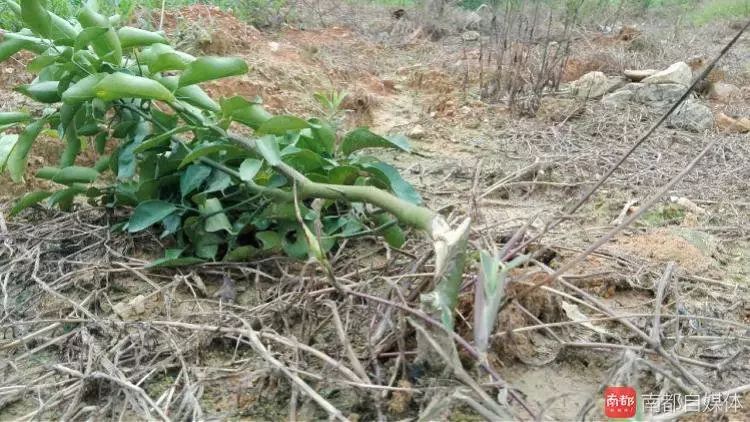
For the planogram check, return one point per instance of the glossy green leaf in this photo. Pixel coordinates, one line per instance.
(249, 168)
(35, 17)
(303, 160)
(280, 125)
(122, 85)
(210, 68)
(161, 139)
(243, 111)
(392, 234)
(391, 176)
(167, 61)
(194, 95)
(269, 149)
(10, 117)
(107, 46)
(135, 37)
(209, 149)
(343, 175)
(82, 90)
(362, 138)
(148, 213)
(18, 157)
(64, 198)
(68, 175)
(216, 220)
(41, 62)
(88, 35)
(44, 92)
(7, 142)
(31, 198)
(192, 178)
(11, 46)
(324, 134)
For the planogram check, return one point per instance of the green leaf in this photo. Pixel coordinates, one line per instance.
(68, 175)
(216, 220)
(167, 61)
(192, 178)
(362, 138)
(243, 111)
(122, 85)
(40, 62)
(44, 92)
(241, 254)
(392, 234)
(194, 95)
(218, 181)
(82, 90)
(35, 16)
(271, 240)
(210, 68)
(11, 46)
(343, 175)
(280, 125)
(303, 160)
(149, 213)
(391, 176)
(10, 117)
(18, 157)
(64, 198)
(135, 37)
(88, 35)
(324, 134)
(31, 198)
(269, 149)
(161, 139)
(7, 142)
(249, 168)
(107, 46)
(209, 149)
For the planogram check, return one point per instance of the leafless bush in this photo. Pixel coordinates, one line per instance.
(526, 52)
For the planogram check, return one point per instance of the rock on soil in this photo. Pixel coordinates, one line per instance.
(639, 75)
(678, 73)
(692, 116)
(652, 95)
(595, 85)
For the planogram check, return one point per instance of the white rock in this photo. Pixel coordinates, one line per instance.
(595, 85)
(678, 73)
(417, 132)
(639, 75)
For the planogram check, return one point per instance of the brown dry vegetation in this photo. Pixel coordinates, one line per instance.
(238, 341)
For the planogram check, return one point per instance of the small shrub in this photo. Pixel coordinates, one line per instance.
(165, 148)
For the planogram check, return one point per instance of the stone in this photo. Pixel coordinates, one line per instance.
(656, 95)
(692, 116)
(639, 75)
(678, 73)
(595, 85)
(723, 92)
(417, 132)
(618, 98)
(470, 36)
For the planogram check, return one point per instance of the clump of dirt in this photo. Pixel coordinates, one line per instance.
(664, 245)
(206, 29)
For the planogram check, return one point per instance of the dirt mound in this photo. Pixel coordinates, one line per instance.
(207, 28)
(664, 245)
